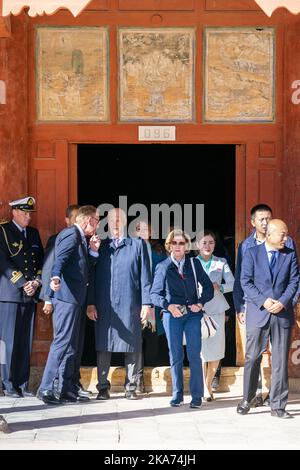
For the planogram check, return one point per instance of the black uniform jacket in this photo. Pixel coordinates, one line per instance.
(21, 260)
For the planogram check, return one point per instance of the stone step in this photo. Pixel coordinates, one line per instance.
(158, 379)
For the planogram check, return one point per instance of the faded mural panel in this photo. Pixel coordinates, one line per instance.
(156, 74)
(72, 74)
(239, 74)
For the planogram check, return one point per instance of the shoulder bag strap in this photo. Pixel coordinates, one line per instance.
(195, 277)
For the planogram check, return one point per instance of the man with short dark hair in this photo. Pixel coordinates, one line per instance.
(69, 281)
(21, 258)
(261, 215)
(46, 295)
(270, 279)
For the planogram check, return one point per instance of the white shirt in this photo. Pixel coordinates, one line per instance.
(91, 252)
(22, 229)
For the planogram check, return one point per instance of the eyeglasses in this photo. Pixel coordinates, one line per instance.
(95, 218)
(174, 243)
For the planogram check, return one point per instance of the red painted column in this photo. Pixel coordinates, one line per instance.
(291, 186)
(13, 112)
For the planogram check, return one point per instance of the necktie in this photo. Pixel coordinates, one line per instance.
(117, 242)
(85, 244)
(273, 262)
(24, 232)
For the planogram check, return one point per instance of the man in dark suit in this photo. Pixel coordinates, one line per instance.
(261, 214)
(69, 281)
(21, 258)
(46, 295)
(269, 279)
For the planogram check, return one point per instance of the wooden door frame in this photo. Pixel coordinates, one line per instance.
(240, 184)
(240, 213)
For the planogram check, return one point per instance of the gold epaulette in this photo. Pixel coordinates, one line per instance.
(2, 222)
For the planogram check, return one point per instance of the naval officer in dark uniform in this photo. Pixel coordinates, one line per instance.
(21, 258)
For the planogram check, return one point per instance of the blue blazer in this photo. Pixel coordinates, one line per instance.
(238, 293)
(71, 265)
(257, 284)
(169, 288)
(46, 292)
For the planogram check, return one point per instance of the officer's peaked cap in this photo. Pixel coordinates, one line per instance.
(26, 204)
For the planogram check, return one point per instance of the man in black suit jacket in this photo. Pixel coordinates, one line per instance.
(21, 258)
(46, 295)
(269, 278)
(69, 281)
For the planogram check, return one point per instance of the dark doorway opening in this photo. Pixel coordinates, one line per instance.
(157, 174)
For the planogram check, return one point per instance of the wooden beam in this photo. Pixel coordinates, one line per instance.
(5, 26)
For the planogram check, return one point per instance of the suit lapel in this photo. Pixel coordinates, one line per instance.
(81, 242)
(263, 257)
(280, 260)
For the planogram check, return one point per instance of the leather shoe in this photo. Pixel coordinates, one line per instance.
(70, 397)
(210, 398)
(215, 383)
(26, 393)
(195, 404)
(12, 393)
(140, 388)
(81, 391)
(103, 394)
(281, 414)
(176, 402)
(266, 401)
(84, 394)
(243, 407)
(131, 395)
(258, 401)
(48, 397)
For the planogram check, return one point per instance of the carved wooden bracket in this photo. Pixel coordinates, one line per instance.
(269, 6)
(41, 7)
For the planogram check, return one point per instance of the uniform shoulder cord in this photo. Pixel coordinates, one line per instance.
(12, 255)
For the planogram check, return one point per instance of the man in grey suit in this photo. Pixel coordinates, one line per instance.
(269, 278)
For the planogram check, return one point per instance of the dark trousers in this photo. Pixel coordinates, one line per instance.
(77, 356)
(16, 332)
(132, 362)
(80, 346)
(256, 344)
(61, 358)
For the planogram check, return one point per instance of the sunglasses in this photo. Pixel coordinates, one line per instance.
(174, 243)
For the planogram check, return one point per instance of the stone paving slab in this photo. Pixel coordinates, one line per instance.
(147, 423)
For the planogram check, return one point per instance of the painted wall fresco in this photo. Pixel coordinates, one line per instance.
(72, 74)
(239, 74)
(156, 74)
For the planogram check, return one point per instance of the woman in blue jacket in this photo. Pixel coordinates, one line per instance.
(174, 290)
